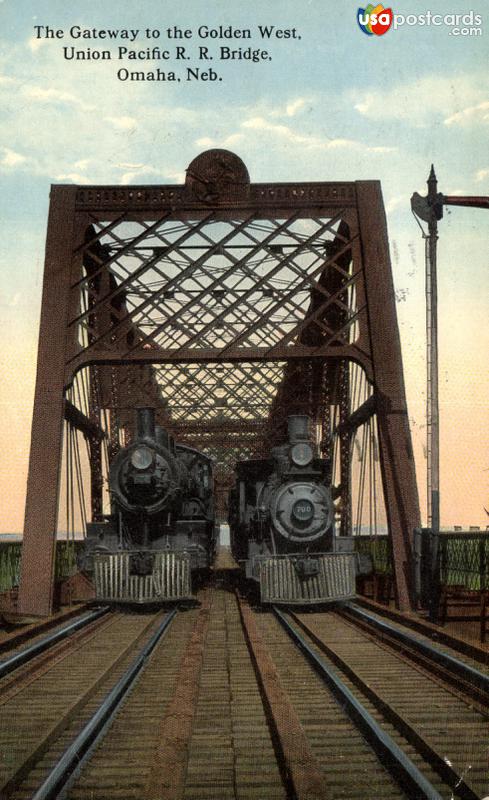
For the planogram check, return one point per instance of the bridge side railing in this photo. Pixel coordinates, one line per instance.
(443, 564)
(377, 549)
(377, 583)
(450, 563)
(10, 556)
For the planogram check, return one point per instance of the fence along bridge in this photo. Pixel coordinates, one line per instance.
(227, 305)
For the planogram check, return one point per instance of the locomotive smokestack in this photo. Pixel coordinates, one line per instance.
(298, 428)
(146, 423)
(162, 437)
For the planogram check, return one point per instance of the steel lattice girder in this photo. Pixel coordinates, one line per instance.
(284, 277)
(238, 288)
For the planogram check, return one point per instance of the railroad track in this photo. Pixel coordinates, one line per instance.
(194, 726)
(22, 659)
(45, 633)
(463, 671)
(429, 715)
(474, 653)
(235, 703)
(15, 638)
(242, 715)
(43, 712)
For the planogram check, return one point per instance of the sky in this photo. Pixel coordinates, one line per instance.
(334, 104)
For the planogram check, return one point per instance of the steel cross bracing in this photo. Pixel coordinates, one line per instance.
(228, 306)
(203, 296)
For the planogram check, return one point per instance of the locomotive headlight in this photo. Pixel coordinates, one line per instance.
(142, 457)
(301, 454)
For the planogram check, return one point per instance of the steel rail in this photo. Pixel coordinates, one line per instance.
(8, 665)
(29, 632)
(426, 750)
(392, 757)
(74, 756)
(452, 665)
(427, 629)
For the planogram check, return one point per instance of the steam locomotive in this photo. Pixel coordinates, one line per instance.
(282, 525)
(161, 530)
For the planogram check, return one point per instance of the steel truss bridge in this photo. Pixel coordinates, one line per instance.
(227, 305)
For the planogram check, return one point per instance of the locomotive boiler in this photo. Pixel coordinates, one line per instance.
(161, 532)
(282, 524)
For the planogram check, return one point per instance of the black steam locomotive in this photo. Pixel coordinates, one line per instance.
(161, 530)
(282, 525)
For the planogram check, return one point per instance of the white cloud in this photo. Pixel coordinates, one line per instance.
(34, 43)
(481, 174)
(128, 178)
(206, 142)
(294, 106)
(74, 172)
(11, 158)
(176, 177)
(417, 101)
(290, 109)
(9, 300)
(122, 123)
(308, 140)
(96, 148)
(72, 177)
(283, 131)
(137, 172)
(395, 202)
(477, 113)
(126, 165)
(228, 141)
(377, 148)
(54, 96)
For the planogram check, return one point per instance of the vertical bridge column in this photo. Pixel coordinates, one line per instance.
(396, 453)
(39, 544)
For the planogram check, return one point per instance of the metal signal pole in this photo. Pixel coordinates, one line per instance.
(432, 405)
(430, 209)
